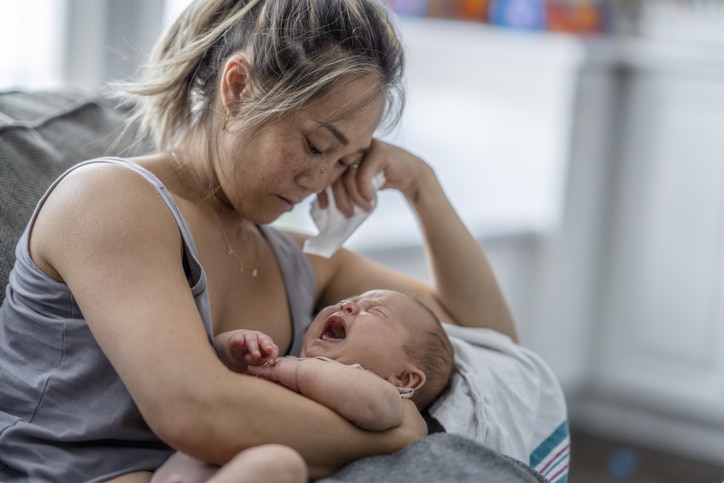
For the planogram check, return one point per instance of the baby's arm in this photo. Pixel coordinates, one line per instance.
(241, 348)
(359, 396)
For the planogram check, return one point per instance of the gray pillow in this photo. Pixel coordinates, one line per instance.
(42, 133)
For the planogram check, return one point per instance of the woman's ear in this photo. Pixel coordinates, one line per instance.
(234, 81)
(412, 377)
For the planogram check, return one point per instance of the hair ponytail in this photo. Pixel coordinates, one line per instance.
(298, 49)
(163, 100)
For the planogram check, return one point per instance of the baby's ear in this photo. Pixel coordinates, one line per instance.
(412, 377)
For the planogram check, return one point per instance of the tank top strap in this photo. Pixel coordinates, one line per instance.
(195, 271)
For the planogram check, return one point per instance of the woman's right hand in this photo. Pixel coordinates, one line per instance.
(412, 428)
(412, 423)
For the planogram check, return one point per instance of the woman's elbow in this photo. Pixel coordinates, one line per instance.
(181, 424)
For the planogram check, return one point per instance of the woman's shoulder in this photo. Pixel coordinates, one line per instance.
(100, 205)
(107, 172)
(113, 183)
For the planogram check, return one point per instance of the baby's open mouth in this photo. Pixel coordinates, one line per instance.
(334, 329)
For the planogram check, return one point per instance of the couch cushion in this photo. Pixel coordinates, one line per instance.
(42, 133)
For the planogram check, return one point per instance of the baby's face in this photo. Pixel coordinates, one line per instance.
(369, 329)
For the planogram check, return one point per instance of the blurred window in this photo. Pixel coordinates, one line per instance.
(172, 8)
(32, 34)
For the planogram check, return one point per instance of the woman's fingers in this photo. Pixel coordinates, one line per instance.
(323, 199)
(347, 192)
(355, 187)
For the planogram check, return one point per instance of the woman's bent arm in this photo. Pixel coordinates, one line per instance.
(464, 292)
(106, 234)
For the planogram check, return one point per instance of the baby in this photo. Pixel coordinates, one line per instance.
(360, 358)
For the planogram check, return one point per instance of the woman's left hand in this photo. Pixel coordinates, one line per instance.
(401, 169)
(465, 290)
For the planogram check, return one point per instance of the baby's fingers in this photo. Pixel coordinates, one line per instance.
(252, 347)
(269, 350)
(238, 346)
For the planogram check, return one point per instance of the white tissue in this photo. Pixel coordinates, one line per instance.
(334, 228)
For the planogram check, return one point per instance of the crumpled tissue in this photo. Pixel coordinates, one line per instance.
(334, 228)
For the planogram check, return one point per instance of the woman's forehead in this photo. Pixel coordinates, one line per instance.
(348, 100)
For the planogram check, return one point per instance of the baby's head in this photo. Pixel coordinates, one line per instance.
(389, 333)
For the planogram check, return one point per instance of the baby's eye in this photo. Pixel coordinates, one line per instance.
(376, 309)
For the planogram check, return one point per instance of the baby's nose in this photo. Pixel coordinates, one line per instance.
(350, 307)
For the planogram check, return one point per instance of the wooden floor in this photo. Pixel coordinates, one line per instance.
(594, 460)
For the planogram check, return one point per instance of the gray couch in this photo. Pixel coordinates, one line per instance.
(42, 134)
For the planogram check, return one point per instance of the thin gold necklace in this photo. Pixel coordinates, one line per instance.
(230, 251)
(232, 254)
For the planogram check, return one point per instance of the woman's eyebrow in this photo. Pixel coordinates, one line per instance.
(339, 136)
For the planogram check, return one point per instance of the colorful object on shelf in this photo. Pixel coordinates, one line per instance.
(473, 10)
(476, 10)
(518, 14)
(440, 9)
(417, 8)
(570, 16)
(575, 16)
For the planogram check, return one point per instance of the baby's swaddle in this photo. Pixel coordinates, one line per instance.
(334, 227)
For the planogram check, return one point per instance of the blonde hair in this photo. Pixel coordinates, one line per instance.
(298, 49)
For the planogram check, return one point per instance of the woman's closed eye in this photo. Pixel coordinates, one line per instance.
(318, 152)
(313, 149)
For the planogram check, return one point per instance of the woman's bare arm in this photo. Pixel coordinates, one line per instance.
(465, 290)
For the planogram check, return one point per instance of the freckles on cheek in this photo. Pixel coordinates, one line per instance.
(288, 165)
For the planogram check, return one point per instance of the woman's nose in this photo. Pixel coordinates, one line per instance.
(316, 178)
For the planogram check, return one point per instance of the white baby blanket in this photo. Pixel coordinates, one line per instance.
(506, 398)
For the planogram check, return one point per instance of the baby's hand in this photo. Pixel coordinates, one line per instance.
(283, 371)
(241, 348)
(253, 347)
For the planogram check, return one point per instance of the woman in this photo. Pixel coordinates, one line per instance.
(129, 267)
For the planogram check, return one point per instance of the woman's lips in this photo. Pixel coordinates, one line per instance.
(287, 203)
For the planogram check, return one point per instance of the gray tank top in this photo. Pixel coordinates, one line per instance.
(65, 415)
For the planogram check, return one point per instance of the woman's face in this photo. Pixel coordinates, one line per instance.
(287, 160)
